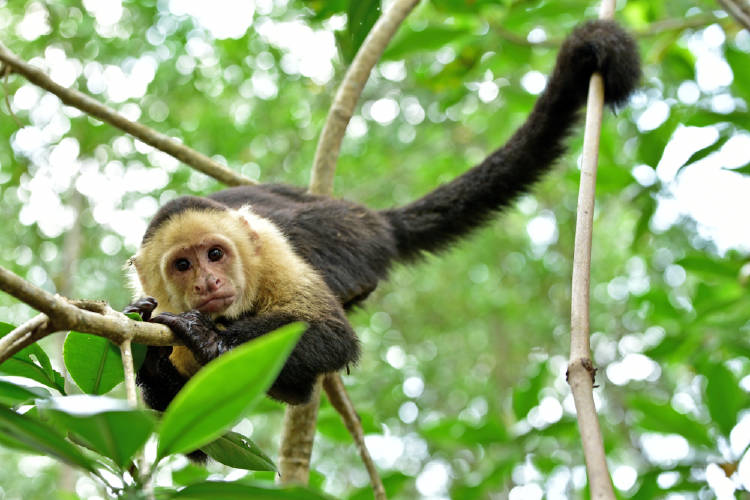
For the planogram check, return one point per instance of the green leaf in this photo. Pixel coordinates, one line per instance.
(33, 435)
(661, 417)
(106, 425)
(740, 64)
(724, 397)
(361, 17)
(744, 170)
(93, 362)
(239, 491)
(710, 149)
(222, 391)
(526, 394)
(190, 474)
(31, 362)
(431, 38)
(14, 394)
(708, 266)
(235, 450)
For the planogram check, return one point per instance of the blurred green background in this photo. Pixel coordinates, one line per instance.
(461, 387)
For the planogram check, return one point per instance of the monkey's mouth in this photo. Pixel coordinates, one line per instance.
(215, 304)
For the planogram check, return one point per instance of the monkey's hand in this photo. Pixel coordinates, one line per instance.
(197, 331)
(143, 306)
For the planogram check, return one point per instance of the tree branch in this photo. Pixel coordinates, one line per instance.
(297, 439)
(62, 314)
(329, 144)
(340, 400)
(580, 368)
(739, 10)
(94, 108)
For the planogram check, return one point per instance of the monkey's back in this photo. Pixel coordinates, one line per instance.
(350, 245)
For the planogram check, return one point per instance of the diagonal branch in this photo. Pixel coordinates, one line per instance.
(342, 109)
(94, 108)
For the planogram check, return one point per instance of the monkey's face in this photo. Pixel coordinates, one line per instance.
(200, 260)
(204, 274)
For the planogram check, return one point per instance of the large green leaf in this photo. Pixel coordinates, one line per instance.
(220, 393)
(31, 362)
(31, 434)
(238, 491)
(235, 450)
(724, 397)
(106, 425)
(13, 394)
(93, 362)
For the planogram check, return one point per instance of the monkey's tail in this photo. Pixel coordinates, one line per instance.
(444, 215)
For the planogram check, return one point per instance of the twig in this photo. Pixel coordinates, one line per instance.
(340, 400)
(94, 108)
(580, 369)
(26, 334)
(739, 10)
(4, 72)
(329, 144)
(91, 317)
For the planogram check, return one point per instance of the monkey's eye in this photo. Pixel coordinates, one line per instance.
(215, 254)
(182, 265)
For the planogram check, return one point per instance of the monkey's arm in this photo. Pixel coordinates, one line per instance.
(157, 377)
(329, 344)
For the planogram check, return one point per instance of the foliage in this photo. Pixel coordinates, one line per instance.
(461, 387)
(211, 402)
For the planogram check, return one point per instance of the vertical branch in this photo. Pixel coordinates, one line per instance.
(127, 365)
(297, 440)
(581, 370)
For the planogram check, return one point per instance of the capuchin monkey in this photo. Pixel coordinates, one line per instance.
(237, 264)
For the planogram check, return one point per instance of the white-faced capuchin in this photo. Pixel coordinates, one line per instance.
(242, 262)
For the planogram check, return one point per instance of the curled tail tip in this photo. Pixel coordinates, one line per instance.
(604, 46)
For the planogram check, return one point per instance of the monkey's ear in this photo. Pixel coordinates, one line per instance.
(242, 217)
(130, 262)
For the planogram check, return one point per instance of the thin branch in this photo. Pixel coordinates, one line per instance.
(340, 400)
(329, 144)
(25, 334)
(94, 317)
(149, 136)
(739, 10)
(581, 369)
